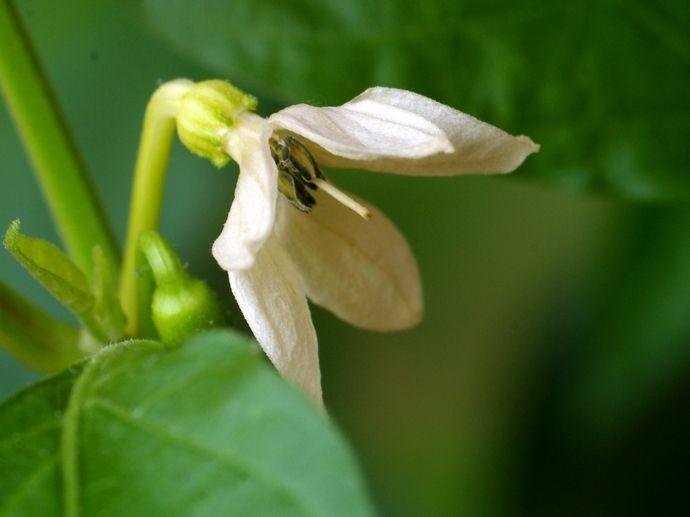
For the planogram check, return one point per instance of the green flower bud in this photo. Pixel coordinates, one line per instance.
(207, 111)
(181, 305)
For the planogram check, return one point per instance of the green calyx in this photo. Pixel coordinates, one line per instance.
(181, 305)
(207, 111)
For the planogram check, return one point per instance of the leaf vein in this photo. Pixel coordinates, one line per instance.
(125, 416)
(36, 475)
(37, 429)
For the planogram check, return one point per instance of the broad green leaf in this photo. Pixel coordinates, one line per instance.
(30, 430)
(602, 86)
(205, 429)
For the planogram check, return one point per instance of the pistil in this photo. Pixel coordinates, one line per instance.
(343, 198)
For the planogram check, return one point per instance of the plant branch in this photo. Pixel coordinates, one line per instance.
(147, 192)
(59, 169)
(34, 337)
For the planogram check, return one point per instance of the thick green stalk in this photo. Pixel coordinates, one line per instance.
(147, 191)
(60, 171)
(34, 337)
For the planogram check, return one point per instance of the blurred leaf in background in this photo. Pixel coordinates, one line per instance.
(601, 85)
(549, 373)
(640, 346)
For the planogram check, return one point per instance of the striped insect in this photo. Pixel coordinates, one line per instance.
(297, 170)
(298, 174)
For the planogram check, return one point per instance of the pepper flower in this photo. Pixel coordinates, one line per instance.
(292, 236)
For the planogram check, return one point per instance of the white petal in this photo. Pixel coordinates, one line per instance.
(352, 136)
(363, 271)
(252, 212)
(273, 302)
(364, 131)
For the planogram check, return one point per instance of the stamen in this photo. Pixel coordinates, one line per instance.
(343, 198)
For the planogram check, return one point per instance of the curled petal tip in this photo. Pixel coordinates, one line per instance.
(235, 259)
(533, 146)
(526, 147)
(446, 146)
(409, 318)
(530, 144)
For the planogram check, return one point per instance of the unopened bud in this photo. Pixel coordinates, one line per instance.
(207, 112)
(181, 305)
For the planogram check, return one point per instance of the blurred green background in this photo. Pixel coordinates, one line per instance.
(551, 374)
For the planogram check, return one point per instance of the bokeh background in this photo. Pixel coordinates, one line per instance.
(551, 374)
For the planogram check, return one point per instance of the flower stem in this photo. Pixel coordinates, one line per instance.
(181, 304)
(60, 170)
(147, 191)
(34, 337)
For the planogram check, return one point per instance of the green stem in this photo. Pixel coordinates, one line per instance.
(147, 191)
(59, 168)
(165, 265)
(34, 337)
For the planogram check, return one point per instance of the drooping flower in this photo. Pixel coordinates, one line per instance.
(291, 235)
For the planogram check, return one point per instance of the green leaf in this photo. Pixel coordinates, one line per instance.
(59, 275)
(52, 269)
(602, 86)
(107, 309)
(205, 429)
(30, 428)
(145, 286)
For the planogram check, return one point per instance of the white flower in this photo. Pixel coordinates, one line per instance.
(341, 253)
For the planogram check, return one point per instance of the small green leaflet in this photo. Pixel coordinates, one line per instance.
(100, 313)
(107, 310)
